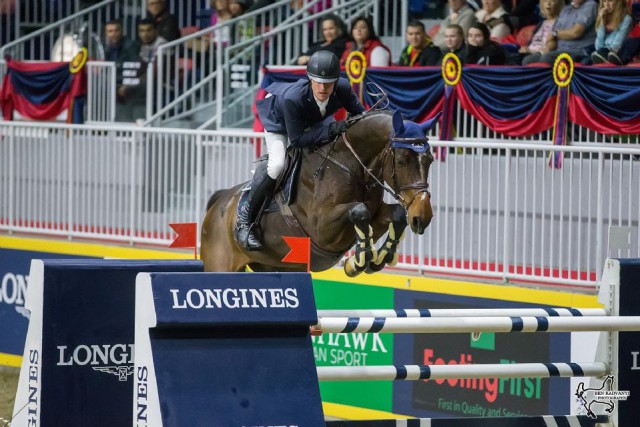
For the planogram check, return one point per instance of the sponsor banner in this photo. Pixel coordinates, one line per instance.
(14, 272)
(226, 298)
(240, 357)
(354, 349)
(486, 397)
(78, 356)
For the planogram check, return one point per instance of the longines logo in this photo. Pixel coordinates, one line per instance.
(603, 397)
(111, 359)
(235, 298)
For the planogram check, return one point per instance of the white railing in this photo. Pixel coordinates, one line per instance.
(101, 91)
(500, 210)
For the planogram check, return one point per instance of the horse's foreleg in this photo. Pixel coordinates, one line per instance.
(360, 216)
(387, 254)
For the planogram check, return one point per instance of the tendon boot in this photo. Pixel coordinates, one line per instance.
(245, 232)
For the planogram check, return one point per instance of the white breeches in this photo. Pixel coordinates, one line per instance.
(277, 150)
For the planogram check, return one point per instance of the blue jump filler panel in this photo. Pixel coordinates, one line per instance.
(225, 349)
(78, 358)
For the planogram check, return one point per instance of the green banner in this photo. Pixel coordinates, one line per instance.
(354, 349)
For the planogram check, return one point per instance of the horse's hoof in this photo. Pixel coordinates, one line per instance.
(349, 269)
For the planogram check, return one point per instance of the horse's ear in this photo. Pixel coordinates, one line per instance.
(398, 123)
(426, 126)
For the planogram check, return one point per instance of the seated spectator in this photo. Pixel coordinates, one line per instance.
(366, 41)
(459, 14)
(573, 33)
(454, 41)
(550, 9)
(524, 13)
(495, 18)
(334, 39)
(481, 50)
(166, 23)
(420, 50)
(220, 14)
(612, 26)
(119, 49)
(630, 49)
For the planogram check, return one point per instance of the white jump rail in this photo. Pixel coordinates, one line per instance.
(436, 372)
(476, 324)
(474, 312)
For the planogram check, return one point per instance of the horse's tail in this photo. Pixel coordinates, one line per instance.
(214, 198)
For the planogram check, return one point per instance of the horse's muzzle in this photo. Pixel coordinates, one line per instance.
(420, 213)
(419, 225)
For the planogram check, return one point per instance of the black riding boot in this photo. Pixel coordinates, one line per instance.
(261, 188)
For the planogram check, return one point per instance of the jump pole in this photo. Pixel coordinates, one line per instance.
(476, 324)
(475, 312)
(446, 372)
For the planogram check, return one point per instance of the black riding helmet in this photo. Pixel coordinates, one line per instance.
(323, 67)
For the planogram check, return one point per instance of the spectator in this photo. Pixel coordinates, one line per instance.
(166, 23)
(220, 14)
(239, 7)
(334, 39)
(460, 14)
(629, 49)
(573, 33)
(495, 18)
(420, 50)
(454, 41)
(612, 26)
(481, 50)
(366, 41)
(149, 40)
(119, 49)
(550, 9)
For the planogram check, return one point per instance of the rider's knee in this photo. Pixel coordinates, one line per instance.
(275, 167)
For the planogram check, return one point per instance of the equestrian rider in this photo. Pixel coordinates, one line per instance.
(299, 114)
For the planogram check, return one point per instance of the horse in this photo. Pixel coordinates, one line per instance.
(338, 202)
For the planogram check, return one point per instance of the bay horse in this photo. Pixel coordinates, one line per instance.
(338, 202)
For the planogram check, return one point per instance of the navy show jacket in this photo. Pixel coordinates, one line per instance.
(291, 110)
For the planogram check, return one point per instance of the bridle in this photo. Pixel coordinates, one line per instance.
(418, 145)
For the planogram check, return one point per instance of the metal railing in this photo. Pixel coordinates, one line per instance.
(220, 65)
(500, 210)
(56, 41)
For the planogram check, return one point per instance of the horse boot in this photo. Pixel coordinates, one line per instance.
(261, 188)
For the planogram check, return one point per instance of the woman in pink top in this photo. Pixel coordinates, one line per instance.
(550, 9)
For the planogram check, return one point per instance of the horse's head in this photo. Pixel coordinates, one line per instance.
(408, 171)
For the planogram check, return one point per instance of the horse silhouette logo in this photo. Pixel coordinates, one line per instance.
(604, 395)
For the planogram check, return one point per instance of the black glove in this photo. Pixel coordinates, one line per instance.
(337, 128)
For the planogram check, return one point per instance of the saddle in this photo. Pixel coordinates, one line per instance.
(285, 190)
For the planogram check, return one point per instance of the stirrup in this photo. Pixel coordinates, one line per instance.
(246, 237)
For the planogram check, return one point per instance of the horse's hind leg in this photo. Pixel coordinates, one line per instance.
(387, 254)
(360, 216)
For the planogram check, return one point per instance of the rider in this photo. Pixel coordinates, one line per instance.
(299, 114)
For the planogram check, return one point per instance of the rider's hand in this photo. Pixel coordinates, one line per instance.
(337, 128)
